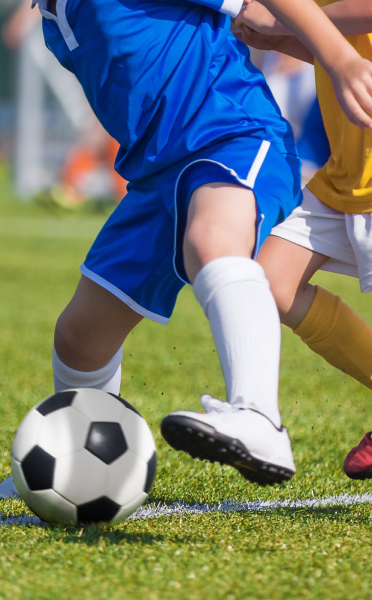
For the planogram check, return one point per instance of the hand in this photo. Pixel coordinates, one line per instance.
(257, 17)
(260, 41)
(353, 87)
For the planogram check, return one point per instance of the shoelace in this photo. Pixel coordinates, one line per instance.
(215, 405)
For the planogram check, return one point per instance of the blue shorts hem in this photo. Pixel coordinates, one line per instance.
(148, 314)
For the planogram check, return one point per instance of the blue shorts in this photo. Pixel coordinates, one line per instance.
(137, 256)
(178, 92)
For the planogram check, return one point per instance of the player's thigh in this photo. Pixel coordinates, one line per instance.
(288, 267)
(93, 327)
(221, 221)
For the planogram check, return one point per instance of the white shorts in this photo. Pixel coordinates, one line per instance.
(346, 239)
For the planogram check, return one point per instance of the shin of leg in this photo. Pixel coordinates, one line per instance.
(289, 267)
(236, 298)
(92, 327)
(221, 222)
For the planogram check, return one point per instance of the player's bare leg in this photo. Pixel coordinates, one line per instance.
(221, 222)
(246, 431)
(327, 325)
(289, 268)
(93, 327)
(89, 337)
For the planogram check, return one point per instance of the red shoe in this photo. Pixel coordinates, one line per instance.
(358, 463)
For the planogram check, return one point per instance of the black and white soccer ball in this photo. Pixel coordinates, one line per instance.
(83, 456)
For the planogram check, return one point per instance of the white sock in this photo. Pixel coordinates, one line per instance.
(236, 298)
(107, 379)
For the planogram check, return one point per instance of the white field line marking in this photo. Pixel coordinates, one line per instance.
(247, 506)
(178, 508)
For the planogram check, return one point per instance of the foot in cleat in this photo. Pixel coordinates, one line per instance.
(358, 463)
(241, 438)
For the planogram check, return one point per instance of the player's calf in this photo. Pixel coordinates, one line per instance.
(89, 337)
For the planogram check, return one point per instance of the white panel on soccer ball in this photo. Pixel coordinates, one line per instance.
(130, 508)
(27, 435)
(80, 477)
(63, 432)
(137, 434)
(51, 507)
(98, 405)
(127, 477)
(19, 480)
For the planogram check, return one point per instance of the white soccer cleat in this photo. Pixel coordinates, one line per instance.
(241, 438)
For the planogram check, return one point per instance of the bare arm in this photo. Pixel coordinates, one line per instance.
(285, 44)
(351, 75)
(351, 17)
(309, 23)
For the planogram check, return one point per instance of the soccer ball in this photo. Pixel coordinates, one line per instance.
(83, 456)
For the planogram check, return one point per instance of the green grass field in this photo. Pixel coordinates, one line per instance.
(311, 553)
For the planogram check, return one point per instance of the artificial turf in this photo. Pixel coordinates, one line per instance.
(311, 553)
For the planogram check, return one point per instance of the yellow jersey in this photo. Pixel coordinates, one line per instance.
(345, 181)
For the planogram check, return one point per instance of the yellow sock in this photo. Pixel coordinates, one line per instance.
(333, 330)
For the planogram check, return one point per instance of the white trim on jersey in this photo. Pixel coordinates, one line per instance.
(65, 28)
(60, 19)
(122, 296)
(231, 7)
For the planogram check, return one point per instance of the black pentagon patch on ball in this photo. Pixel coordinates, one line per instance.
(38, 469)
(102, 509)
(126, 404)
(106, 441)
(151, 471)
(60, 400)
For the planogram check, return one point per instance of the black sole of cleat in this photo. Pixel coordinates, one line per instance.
(367, 474)
(203, 441)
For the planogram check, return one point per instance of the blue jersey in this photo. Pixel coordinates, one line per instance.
(166, 78)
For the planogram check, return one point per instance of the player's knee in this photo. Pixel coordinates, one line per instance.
(202, 237)
(203, 242)
(209, 239)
